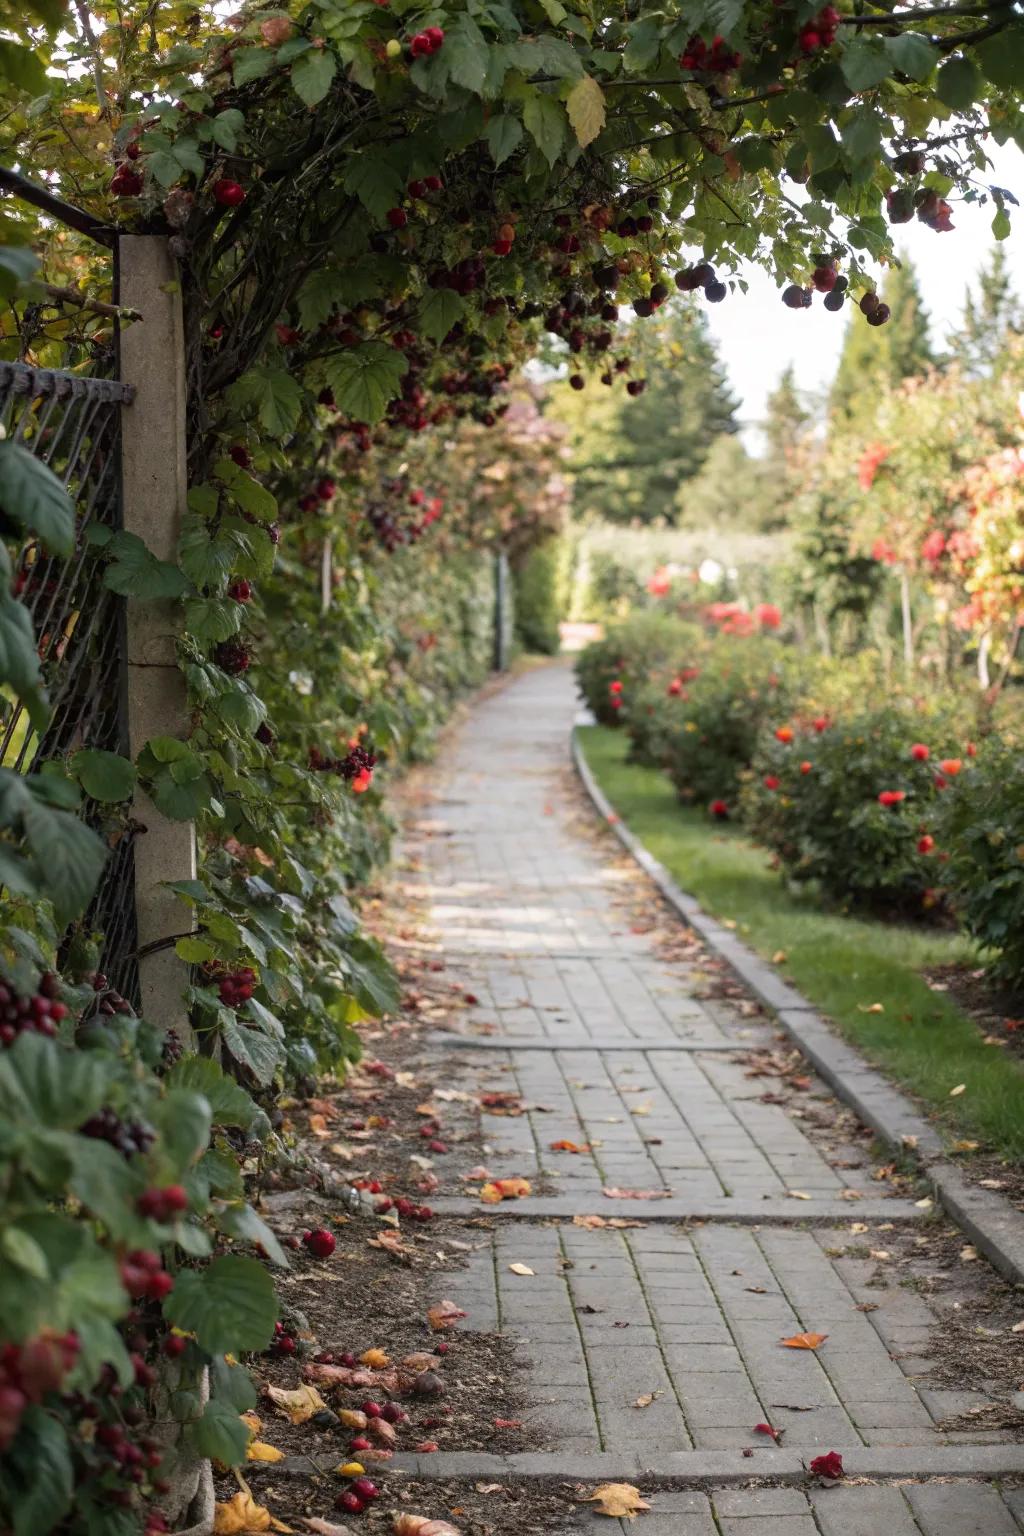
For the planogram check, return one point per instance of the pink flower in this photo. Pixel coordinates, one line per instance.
(919, 752)
(891, 797)
(768, 615)
(660, 583)
(934, 547)
(771, 782)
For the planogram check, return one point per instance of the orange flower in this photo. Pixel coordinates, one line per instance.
(784, 734)
(951, 766)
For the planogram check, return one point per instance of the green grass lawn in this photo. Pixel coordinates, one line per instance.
(842, 964)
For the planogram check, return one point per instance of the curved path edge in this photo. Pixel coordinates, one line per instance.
(991, 1222)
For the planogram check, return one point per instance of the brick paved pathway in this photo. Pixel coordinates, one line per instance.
(766, 1233)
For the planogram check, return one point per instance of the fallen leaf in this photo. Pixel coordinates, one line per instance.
(503, 1103)
(793, 1407)
(637, 1194)
(1018, 1327)
(391, 1242)
(298, 1405)
(925, 1204)
(780, 957)
(756, 1290)
(857, 1227)
(594, 1222)
(620, 1500)
(522, 1269)
(505, 1189)
(241, 1515)
(444, 1314)
(805, 1340)
(568, 1146)
(422, 1525)
(376, 1359)
(508, 1424)
(992, 1183)
(318, 1125)
(870, 1007)
(968, 1253)
(259, 1450)
(960, 1088)
(642, 1109)
(851, 1194)
(881, 1254)
(647, 1398)
(769, 1429)
(328, 1527)
(866, 1306)
(798, 1194)
(965, 1146)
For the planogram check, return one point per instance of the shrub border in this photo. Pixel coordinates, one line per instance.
(991, 1222)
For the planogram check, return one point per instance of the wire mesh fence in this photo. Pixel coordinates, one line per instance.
(73, 424)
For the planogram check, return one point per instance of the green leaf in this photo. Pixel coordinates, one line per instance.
(220, 1434)
(251, 64)
(863, 135)
(643, 46)
(312, 74)
(22, 1250)
(241, 1222)
(1002, 58)
(959, 84)
(43, 1083)
(137, 573)
(545, 55)
(230, 1306)
(365, 379)
(378, 185)
(205, 559)
(546, 122)
(440, 310)
(865, 63)
(106, 1185)
(212, 618)
(1001, 226)
(254, 1050)
(912, 54)
(246, 491)
(226, 127)
(273, 394)
(466, 51)
(19, 658)
(232, 1385)
(183, 1119)
(18, 263)
(822, 146)
(42, 1474)
(585, 106)
(23, 68)
(69, 855)
(228, 1100)
(105, 776)
(504, 136)
(319, 296)
(723, 15)
(33, 497)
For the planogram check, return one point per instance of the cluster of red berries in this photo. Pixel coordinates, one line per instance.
(143, 1274)
(426, 42)
(284, 1341)
(162, 1204)
(233, 656)
(321, 493)
(824, 279)
(359, 1493)
(129, 1137)
(126, 182)
(820, 31)
(28, 1372)
(701, 276)
(357, 768)
(39, 1014)
(237, 987)
(136, 1459)
(428, 184)
(718, 59)
(875, 311)
(466, 275)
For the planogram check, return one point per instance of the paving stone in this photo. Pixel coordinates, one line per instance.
(750, 1503)
(960, 1509)
(862, 1512)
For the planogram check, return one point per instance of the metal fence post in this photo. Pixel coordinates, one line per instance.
(154, 486)
(500, 611)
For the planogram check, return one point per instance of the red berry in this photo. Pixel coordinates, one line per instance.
(350, 1502)
(320, 1243)
(397, 218)
(372, 1410)
(366, 1489)
(174, 1345)
(392, 1413)
(228, 193)
(159, 1286)
(360, 1443)
(126, 182)
(433, 37)
(433, 183)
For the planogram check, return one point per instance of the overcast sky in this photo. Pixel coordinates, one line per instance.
(759, 336)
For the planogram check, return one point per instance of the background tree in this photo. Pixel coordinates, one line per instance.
(732, 489)
(989, 317)
(629, 456)
(885, 355)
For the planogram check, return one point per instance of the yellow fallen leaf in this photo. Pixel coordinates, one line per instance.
(259, 1450)
(253, 1420)
(805, 1340)
(376, 1359)
(968, 1253)
(298, 1405)
(965, 1146)
(857, 1227)
(1018, 1327)
(242, 1515)
(870, 1007)
(592, 1223)
(647, 1398)
(620, 1500)
(925, 1204)
(910, 1142)
(505, 1189)
(522, 1269)
(780, 957)
(798, 1194)
(881, 1254)
(960, 1088)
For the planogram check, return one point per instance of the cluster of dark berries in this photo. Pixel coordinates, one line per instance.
(428, 184)
(466, 276)
(232, 656)
(108, 1001)
(934, 211)
(127, 181)
(39, 1014)
(356, 762)
(143, 1274)
(129, 1137)
(172, 1049)
(872, 307)
(319, 495)
(237, 987)
(718, 59)
(162, 1204)
(133, 1460)
(426, 42)
(820, 31)
(28, 1372)
(701, 276)
(824, 279)
(284, 1341)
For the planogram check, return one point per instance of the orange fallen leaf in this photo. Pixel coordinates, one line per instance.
(595, 1222)
(646, 1399)
(522, 1269)
(620, 1500)
(242, 1515)
(568, 1146)
(318, 1125)
(805, 1340)
(298, 1405)
(508, 1423)
(422, 1525)
(444, 1314)
(259, 1450)
(505, 1189)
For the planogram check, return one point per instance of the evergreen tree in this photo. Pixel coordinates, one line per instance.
(732, 490)
(876, 356)
(988, 318)
(629, 456)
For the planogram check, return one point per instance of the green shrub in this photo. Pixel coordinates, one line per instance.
(981, 831)
(851, 803)
(647, 645)
(538, 605)
(712, 733)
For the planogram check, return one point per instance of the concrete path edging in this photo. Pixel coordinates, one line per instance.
(992, 1223)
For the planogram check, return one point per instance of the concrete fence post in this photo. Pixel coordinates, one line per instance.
(154, 483)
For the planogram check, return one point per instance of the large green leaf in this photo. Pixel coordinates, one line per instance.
(465, 49)
(32, 497)
(912, 54)
(241, 1221)
(69, 855)
(440, 310)
(212, 618)
(378, 185)
(136, 572)
(23, 67)
(546, 122)
(19, 658)
(365, 379)
(228, 1100)
(272, 394)
(504, 136)
(246, 491)
(38, 1475)
(105, 776)
(253, 1049)
(865, 63)
(319, 296)
(183, 1119)
(312, 74)
(43, 1083)
(220, 1434)
(643, 46)
(1002, 57)
(959, 84)
(230, 1305)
